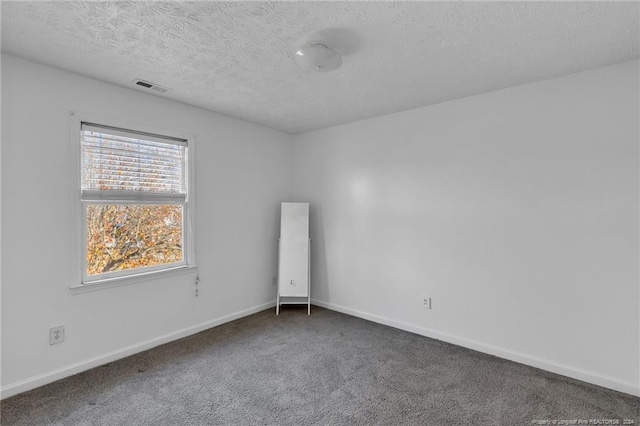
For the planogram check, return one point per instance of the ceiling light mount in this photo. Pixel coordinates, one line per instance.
(318, 57)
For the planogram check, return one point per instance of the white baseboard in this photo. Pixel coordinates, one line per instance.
(562, 369)
(50, 377)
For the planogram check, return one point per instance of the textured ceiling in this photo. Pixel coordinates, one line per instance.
(237, 57)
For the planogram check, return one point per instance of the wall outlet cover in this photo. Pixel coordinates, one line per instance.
(56, 335)
(426, 302)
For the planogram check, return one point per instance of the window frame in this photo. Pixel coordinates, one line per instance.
(82, 281)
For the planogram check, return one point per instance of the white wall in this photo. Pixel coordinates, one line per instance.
(243, 172)
(516, 211)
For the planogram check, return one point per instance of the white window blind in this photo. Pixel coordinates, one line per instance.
(124, 165)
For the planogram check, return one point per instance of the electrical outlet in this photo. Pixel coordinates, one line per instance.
(274, 280)
(56, 335)
(426, 302)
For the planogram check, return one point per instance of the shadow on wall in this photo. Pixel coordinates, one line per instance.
(319, 278)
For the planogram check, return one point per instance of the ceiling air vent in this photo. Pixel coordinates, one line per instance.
(149, 85)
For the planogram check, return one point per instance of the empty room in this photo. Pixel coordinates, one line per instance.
(322, 213)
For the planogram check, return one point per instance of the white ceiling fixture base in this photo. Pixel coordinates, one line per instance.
(318, 57)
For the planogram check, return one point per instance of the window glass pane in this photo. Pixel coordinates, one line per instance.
(128, 236)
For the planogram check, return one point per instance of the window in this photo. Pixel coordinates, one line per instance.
(135, 202)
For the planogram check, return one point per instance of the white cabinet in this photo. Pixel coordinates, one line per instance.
(294, 256)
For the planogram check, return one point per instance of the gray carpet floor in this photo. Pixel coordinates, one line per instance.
(326, 369)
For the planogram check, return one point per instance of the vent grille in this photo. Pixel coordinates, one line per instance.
(149, 85)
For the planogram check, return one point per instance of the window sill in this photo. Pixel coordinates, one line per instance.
(132, 279)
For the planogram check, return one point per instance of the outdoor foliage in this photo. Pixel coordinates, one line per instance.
(127, 236)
